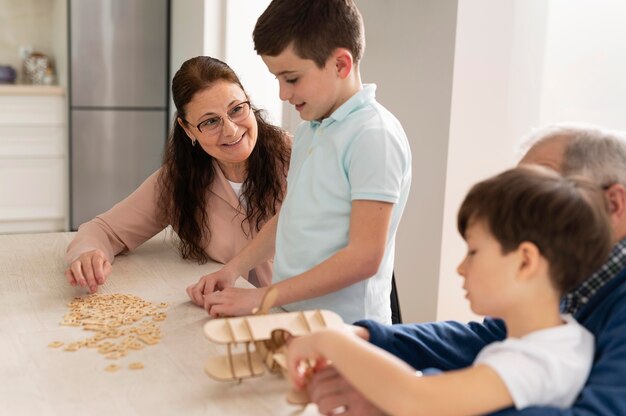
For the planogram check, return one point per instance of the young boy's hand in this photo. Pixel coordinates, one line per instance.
(233, 301)
(332, 393)
(210, 283)
(359, 331)
(304, 358)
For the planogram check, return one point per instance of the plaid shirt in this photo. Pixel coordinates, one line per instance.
(579, 296)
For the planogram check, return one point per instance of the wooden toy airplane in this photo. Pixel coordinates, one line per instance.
(264, 338)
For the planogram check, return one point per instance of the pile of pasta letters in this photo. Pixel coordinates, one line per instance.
(121, 323)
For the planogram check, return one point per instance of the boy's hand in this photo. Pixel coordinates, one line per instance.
(304, 358)
(330, 391)
(91, 269)
(233, 301)
(359, 331)
(210, 283)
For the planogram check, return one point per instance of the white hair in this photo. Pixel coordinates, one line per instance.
(591, 151)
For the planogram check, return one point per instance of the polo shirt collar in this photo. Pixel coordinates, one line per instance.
(362, 97)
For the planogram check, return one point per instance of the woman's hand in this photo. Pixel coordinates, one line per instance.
(210, 283)
(91, 269)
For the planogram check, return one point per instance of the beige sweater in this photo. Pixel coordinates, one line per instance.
(134, 220)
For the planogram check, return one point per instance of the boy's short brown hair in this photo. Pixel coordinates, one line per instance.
(566, 218)
(315, 27)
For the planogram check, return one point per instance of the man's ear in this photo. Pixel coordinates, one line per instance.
(182, 124)
(342, 59)
(530, 258)
(616, 198)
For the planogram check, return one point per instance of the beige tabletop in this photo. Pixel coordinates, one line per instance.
(38, 380)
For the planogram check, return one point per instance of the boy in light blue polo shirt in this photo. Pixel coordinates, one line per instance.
(358, 153)
(349, 176)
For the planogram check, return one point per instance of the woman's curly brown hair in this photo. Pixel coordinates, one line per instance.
(188, 171)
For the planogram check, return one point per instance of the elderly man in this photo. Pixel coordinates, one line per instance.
(599, 303)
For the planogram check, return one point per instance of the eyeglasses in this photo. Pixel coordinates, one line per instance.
(213, 125)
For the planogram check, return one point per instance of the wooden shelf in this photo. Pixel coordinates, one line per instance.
(23, 89)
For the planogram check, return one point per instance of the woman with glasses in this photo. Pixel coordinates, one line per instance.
(222, 177)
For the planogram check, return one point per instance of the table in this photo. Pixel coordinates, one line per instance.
(38, 380)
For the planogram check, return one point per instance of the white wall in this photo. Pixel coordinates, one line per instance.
(186, 35)
(496, 91)
(223, 29)
(262, 86)
(215, 29)
(409, 55)
(60, 40)
(585, 63)
(522, 64)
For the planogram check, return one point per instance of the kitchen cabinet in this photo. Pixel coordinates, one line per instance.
(33, 159)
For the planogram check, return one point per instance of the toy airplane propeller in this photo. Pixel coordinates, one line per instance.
(264, 337)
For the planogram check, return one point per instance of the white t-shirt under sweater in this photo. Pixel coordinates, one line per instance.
(236, 187)
(548, 367)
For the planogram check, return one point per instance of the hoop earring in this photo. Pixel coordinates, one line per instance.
(193, 141)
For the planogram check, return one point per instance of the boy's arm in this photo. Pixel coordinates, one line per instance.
(604, 392)
(260, 249)
(441, 345)
(358, 260)
(445, 346)
(392, 385)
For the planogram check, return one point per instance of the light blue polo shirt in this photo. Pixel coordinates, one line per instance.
(360, 152)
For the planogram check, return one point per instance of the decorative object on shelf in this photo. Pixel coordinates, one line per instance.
(38, 69)
(7, 74)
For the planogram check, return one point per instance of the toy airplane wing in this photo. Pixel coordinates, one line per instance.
(235, 366)
(262, 336)
(259, 327)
